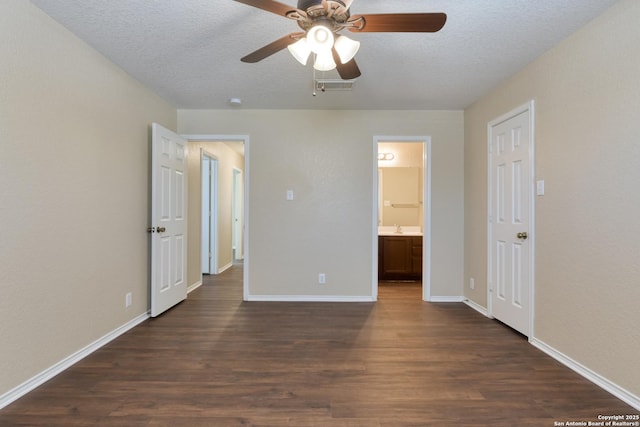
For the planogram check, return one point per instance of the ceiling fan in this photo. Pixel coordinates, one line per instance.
(321, 22)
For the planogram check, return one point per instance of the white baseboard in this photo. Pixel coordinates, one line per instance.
(446, 299)
(194, 286)
(47, 374)
(619, 392)
(309, 298)
(225, 268)
(477, 307)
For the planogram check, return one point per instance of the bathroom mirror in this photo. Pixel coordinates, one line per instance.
(400, 196)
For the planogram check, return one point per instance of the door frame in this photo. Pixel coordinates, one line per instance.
(426, 211)
(212, 197)
(245, 140)
(530, 107)
(238, 226)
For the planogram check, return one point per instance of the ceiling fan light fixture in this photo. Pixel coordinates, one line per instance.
(320, 39)
(324, 61)
(346, 48)
(300, 50)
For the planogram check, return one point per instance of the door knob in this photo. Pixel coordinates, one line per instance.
(162, 230)
(151, 230)
(522, 235)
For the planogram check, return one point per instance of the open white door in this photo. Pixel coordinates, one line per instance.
(168, 219)
(510, 219)
(209, 232)
(238, 214)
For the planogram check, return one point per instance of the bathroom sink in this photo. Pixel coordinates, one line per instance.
(404, 231)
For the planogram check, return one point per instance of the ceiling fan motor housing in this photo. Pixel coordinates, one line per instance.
(306, 4)
(333, 14)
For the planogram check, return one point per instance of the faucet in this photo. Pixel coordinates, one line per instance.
(398, 228)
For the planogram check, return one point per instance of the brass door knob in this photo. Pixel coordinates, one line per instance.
(162, 230)
(522, 235)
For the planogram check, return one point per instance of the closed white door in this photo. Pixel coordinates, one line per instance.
(168, 219)
(509, 220)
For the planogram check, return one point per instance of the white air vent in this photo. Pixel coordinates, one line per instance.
(325, 85)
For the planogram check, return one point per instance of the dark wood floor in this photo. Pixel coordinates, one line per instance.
(217, 361)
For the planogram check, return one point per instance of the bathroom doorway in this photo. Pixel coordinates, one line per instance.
(402, 215)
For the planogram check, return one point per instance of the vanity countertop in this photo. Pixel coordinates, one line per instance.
(391, 230)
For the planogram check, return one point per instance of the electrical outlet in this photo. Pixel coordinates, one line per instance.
(472, 283)
(322, 278)
(127, 299)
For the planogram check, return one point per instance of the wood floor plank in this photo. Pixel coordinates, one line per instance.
(214, 360)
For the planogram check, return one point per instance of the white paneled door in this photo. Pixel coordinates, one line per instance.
(510, 184)
(168, 219)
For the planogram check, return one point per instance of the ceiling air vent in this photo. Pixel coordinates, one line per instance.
(325, 85)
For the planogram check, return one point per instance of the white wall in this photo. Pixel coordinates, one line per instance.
(588, 152)
(74, 155)
(327, 158)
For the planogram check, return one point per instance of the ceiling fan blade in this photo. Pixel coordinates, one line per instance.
(269, 5)
(346, 71)
(399, 22)
(271, 48)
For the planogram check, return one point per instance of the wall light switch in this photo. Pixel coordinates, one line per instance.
(289, 194)
(540, 187)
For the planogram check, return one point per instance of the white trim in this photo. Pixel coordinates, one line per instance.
(477, 307)
(426, 212)
(194, 286)
(310, 298)
(245, 139)
(67, 362)
(528, 106)
(611, 387)
(446, 299)
(225, 268)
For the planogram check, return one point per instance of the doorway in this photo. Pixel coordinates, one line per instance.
(227, 158)
(402, 220)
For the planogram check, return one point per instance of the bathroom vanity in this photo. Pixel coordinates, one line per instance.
(399, 255)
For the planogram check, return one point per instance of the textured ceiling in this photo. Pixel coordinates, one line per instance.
(188, 51)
